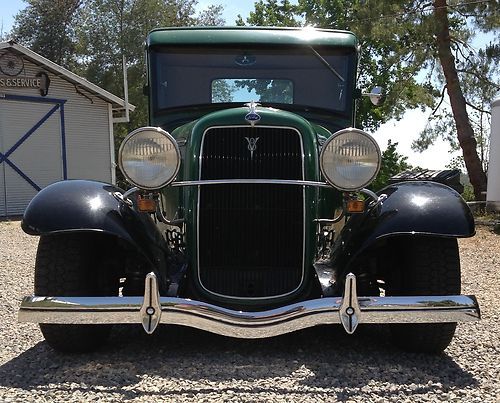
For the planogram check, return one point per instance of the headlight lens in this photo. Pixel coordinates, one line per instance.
(149, 158)
(350, 159)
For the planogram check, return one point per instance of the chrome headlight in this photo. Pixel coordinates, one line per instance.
(149, 158)
(350, 159)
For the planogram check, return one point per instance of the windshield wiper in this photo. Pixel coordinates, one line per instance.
(328, 65)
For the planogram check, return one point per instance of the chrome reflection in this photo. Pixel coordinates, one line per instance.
(350, 311)
(151, 308)
(227, 322)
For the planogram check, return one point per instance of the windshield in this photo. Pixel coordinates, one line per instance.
(302, 76)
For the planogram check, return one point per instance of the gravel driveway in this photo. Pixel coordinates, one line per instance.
(320, 364)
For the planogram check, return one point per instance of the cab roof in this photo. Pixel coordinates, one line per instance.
(250, 36)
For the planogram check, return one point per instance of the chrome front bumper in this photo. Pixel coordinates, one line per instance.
(152, 309)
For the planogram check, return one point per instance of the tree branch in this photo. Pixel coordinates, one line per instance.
(424, 6)
(479, 77)
(440, 101)
(465, 14)
(458, 48)
(409, 57)
(477, 108)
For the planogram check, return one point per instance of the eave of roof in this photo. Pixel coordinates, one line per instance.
(73, 78)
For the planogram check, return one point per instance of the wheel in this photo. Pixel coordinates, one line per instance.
(72, 265)
(428, 266)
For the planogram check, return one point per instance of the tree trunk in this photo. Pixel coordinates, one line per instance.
(465, 133)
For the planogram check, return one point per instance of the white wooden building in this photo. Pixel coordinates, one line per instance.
(54, 125)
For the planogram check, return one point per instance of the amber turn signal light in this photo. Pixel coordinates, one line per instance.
(145, 205)
(355, 206)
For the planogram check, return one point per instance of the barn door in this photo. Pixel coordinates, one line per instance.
(32, 153)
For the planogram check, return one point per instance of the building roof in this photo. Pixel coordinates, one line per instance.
(82, 83)
(252, 36)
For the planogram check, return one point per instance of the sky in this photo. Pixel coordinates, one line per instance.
(403, 131)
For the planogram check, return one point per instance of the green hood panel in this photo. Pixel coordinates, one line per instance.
(192, 133)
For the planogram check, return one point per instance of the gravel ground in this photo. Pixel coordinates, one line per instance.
(320, 364)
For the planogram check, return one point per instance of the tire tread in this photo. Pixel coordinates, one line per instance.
(433, 268)
(64, 268)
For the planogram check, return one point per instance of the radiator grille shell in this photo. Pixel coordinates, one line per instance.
(251, 236)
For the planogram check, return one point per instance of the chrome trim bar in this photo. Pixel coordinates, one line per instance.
(180, 311)
(251, 182)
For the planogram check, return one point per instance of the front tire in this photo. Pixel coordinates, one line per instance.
(429, 266)
(72, 265)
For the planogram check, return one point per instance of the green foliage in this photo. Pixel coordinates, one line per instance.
(273, 14)
(279, 91)
(468, 193)
(392, 164)
(222, 91)
(457, 163)
(47, 27)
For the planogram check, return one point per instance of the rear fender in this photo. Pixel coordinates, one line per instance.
(411, 208)
(89, 206)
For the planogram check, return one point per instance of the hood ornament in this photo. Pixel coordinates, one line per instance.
(252, 116)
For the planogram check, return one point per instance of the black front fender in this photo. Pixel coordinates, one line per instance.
(89, 206)
(411, 208)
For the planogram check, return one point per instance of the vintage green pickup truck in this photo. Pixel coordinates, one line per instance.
(249, 214)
